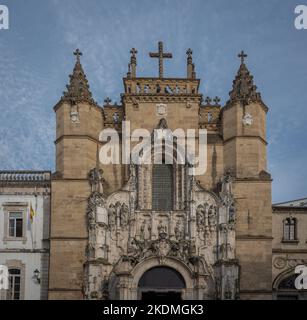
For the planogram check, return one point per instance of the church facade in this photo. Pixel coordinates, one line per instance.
(140, 231)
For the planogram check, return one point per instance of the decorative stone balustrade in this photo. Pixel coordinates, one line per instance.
(142, 86)
(25, 176)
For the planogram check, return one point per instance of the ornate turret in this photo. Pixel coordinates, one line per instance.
(78, 88)
(243, 88)
(78, 117)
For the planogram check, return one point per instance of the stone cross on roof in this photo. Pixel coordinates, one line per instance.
(160, 55)
(242, 55)
(78, 53)
(189, 52)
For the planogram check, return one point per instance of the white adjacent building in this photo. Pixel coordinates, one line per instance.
(24, 241)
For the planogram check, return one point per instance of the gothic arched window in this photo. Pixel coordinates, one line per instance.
(289, 229)
(162, 187)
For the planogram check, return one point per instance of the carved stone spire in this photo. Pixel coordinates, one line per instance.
(78, 88)
(243, 88)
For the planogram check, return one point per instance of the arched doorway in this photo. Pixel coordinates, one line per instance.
(284, 287)
(161, 283)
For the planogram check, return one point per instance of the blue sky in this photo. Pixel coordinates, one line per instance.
(36, 59)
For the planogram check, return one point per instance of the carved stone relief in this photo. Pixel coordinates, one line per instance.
(122, 234)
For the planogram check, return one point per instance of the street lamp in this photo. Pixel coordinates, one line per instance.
(36, 276)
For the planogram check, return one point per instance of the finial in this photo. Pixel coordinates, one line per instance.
(107, 101)
(133, 52)
(132, 70)
(78, 87)
(216, 100)
(78, 53)
(243, 88)
(190, 65)
(208, 101)
(242, 55)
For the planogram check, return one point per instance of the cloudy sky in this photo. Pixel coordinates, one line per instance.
(36, 59)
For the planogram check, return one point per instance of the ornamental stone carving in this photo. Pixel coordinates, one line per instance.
(96, 180)
(124, 213)
(283, 262)
(161, 109)
(74, 114)
(122, 236)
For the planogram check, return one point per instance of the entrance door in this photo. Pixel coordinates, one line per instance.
(161, 283)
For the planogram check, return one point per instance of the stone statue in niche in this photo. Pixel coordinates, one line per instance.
(132, 202)
(226, 193)
(96, 204)
(226, 187)
(174, 249)
(228, 199)
(185, 249)
(223, 251)
(178, 230)
(230, 251)
(102, 215)
(162, 230)
(207, 231)
(192, 249)
(136, 249)
(112, 215)
(145, 230)
(149, 230)
(142, 230)
(212, 217)
(117, 212)
(124, 213)
(132, 170)
(90, 249)
(200, 216)
(91, 218)
(96, 213)
(232, 213)
(96, 180)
